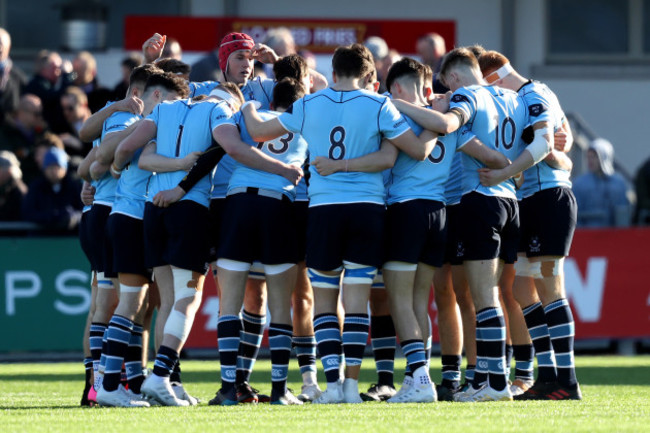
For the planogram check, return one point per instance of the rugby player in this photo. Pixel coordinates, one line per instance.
(126, 233)
(346, 209)
(548, 217)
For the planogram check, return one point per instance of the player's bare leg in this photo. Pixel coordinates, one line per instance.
(519, 339)
(303, 334)
(450, 330)
(468, 317)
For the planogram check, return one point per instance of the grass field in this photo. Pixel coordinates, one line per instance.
(45, 397)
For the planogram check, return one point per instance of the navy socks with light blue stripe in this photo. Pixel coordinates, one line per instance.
(538, 330)
(118, 336)
(384, 341)
(355, 337)
(280, 345)
(228, 334)
(562, 331)
(451, 370)
(328, 339)
(249, 344)
(491, 347)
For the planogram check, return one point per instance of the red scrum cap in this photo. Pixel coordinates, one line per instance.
(233, 42)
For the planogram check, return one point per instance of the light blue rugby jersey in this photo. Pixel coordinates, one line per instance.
(257, 89)
(289, 148)
(132, 184)
(542, 105)
(411, 179)
(184, 127)
(454, 186)
(497, 117)
(105, 188)
(198, 88)
(221, 177)
(301, 189)
(344, 125)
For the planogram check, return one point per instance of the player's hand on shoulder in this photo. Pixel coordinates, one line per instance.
(325, 166)
(131, 104)
(168, 197)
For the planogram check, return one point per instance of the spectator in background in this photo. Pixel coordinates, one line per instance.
(32, 166)
(207, 68)
(431, 48)
(129, 63)
(53, 198)
(21, 129)
(281, 41)
(52, 76)
(642, 187)
(84, 67)
(379, 49)
(604, 197)
(12, 187)
(12, 79)
(74, 104)
(172, 50)
(392, 57)
(309, 57)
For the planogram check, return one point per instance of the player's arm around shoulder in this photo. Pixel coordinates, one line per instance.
(144, 132)
(259, 129)
(227, 135)
(380, 160)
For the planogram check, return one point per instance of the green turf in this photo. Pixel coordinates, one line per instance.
(45, 397)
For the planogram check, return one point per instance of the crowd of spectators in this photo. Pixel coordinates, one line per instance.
(40, 119)
(40, 147)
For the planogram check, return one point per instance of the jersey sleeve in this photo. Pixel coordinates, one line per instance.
(293, 118)
(464, 135)
(118, 121)
(391, 123)
(538, 107)
(463, 100)
(155, 115)
(220, 115)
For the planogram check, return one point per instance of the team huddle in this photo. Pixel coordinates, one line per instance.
(317, 202)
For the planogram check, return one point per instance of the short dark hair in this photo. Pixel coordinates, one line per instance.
(141, 74)
(291, 66)
(169, 81)
(354, 61)
(405, 67)
(132, 61)
(477, 49)
(286, 92)
(174, 66)
(458, 57)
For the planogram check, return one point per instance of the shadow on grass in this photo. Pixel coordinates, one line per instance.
(45, 406)
(601, 375)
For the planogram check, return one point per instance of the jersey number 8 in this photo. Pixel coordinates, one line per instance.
(337, 135)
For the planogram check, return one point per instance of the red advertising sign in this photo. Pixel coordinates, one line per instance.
(317, 35)
(605, 277)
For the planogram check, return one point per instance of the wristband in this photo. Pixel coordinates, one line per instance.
(116, 170)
